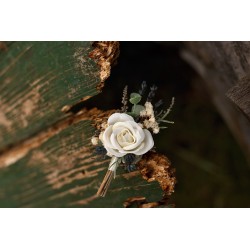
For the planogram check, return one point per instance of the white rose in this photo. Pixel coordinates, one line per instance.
(123, 136)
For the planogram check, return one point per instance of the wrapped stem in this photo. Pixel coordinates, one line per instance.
(114, 163)
(105, 183)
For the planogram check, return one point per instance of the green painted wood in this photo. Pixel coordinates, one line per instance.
(37, 79)
(64, 172)
(50, 161)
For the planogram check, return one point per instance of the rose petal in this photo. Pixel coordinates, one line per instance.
(115, 152)
(116, 132)
(106, 137)
(139, 135)
(118, 117)
(129, 125)
(135, 129)
(114, 142)
(125, 138)
(134, 140)
(148, 144)
(140, 147)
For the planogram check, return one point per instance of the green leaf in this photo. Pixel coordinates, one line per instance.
(136, 109)
(135, 98)
(131, 114)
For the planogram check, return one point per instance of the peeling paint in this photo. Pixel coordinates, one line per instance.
(69, 177)
(84, 201)
(38, 156)
(65, 109)
(157, 167)
(23, 106)
(141, 202)
(86, 98)
(27, 109)
(3, 46)
(4, 120)
(15, 153)
(134, 200)
(73, 191)
(106, 54)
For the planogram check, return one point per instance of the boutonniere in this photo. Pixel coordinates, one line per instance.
(127, 134)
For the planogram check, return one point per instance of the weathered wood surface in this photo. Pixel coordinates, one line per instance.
(240, 95)
(46, 159)
(37, 80)
(225, 68)
(64, 172)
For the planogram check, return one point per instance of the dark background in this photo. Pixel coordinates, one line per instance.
(210, 167)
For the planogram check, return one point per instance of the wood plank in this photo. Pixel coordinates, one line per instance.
(46, 158)
(38, 80)
(222, 65)
(240, 95)
(64, 172)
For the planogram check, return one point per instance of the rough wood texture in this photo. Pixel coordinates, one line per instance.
(240, 95)
(64, 172)
(46, 159)
(224, 66)
(37, 80)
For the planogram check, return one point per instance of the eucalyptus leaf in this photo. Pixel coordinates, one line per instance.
(135, 98)
(136, 109)
(131, 114)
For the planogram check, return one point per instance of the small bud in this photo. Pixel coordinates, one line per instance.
(94, 140)
(129, 158)
(100, 150)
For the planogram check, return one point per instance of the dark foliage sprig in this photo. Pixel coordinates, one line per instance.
(143, 88)
(152, 93)
(124, 108)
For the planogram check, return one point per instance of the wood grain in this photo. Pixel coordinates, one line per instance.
(64, 172)
(37, 80)
(46, 158)
(240, 95)
(223, 65)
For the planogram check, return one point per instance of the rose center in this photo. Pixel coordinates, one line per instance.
(125, 138)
